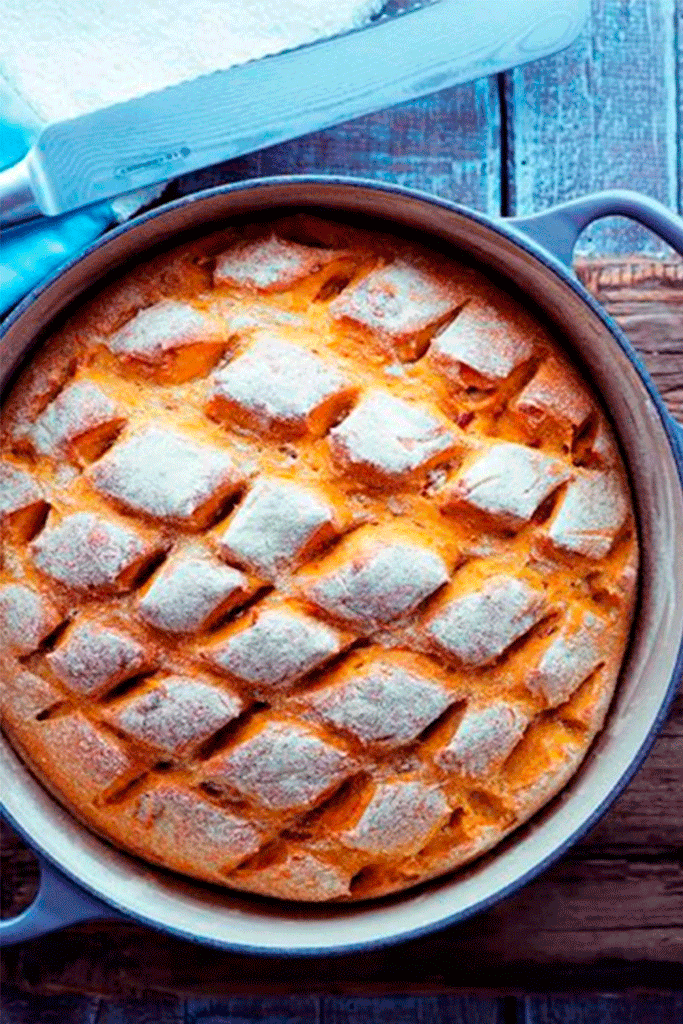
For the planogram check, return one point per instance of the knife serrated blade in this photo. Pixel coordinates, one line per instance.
(185, 127)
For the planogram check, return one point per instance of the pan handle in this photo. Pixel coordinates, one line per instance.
(558, 228)
(59, 902)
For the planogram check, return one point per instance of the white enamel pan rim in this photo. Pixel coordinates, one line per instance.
(261, 926)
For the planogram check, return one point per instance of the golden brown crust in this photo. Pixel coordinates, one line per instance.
(319, 562)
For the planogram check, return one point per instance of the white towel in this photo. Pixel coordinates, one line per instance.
(70, 57)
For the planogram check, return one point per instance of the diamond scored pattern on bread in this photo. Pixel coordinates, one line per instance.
(384, 437)
(22, 505)
(175, 714)
(385, 701)
(277, 525)
(95, 655)
(487, 341)
(509, 481)
(82, 420)
(318, 562)
(373, 577)
(170, 340)
(27, 617)
(271, 264)
(477, 626)
(281, 764)
(191, 590)
(92, 553)
(277, 387)
(167, 476)
(273, 646)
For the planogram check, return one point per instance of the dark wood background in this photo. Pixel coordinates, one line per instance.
(608, 917)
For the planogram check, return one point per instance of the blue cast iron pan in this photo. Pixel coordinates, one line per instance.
(83, 877)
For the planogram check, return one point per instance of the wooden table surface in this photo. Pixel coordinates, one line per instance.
(610, 914)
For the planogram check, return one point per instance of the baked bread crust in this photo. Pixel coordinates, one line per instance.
(319, 562)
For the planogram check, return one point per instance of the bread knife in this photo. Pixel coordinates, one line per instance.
(75, 163)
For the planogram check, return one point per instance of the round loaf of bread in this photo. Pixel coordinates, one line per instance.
(319, 561)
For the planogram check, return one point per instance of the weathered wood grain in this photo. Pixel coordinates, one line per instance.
(591, 898)
(405, 1009)
(637, 1009)
(579, 924)
(602, 114)
(584, 915)
(651, 332)
(437, 1009)
(638, 279)
(448, 144)
(21, 1008)
(269, 1010)
(556, 1009)
(146, 1010)
(646, 298)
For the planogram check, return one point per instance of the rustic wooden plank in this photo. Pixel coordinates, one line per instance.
(257, 1010)
(151, 1009)
(585, 898)
(21, 1008)
(601, 114)
(584, 914)
(634, 1009)
(448, 144)
(637, 279)
(663, 355)
(406, 1009)
(451, 961)
(445, 963)
(646, 299)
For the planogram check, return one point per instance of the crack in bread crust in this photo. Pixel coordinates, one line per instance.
(319, 562)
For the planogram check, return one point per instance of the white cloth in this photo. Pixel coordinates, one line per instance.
(70, 57)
